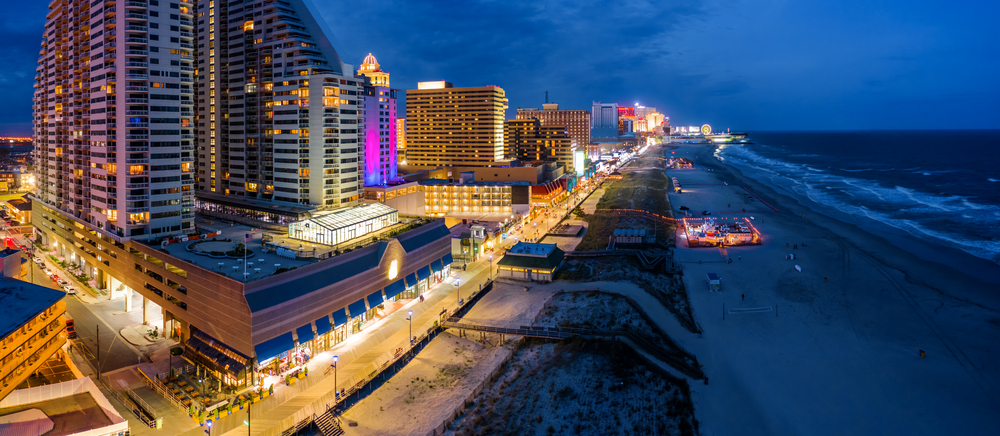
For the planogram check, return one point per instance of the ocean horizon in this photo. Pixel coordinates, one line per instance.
(941, 186)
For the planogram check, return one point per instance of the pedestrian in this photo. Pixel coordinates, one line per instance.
(743, 297)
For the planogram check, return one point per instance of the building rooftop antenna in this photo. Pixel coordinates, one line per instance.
(546, 97)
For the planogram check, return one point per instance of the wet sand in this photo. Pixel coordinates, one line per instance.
(834, 349)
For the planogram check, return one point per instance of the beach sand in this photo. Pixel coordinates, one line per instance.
(831, 357)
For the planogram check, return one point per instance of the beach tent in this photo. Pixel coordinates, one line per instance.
(714, 282)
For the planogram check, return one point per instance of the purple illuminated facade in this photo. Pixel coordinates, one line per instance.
(377, 124)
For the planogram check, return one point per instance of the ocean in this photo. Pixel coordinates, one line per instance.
(941, 186)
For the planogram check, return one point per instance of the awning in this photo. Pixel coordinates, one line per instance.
(223, 357)
(322, 325)
(436, 265)
(411, 280)
(395, 288)
(375, 299)
(424, 272)
(447, 259)
(305, 333)
(339, 318)
(274, 347)
(356, 308)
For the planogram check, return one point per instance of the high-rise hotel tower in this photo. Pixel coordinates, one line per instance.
(448, 126)
(277, 110)
(114, 115)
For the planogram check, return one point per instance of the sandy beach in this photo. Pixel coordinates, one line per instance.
(834, 349)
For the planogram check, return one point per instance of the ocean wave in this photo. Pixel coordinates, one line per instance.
(953, 220)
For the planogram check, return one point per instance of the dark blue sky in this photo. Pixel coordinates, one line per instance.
(741, 64)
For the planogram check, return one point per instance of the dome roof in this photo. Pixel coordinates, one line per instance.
(369, 60)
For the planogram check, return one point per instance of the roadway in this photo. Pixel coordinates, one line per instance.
(115, 352)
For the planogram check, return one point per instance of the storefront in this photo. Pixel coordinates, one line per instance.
(286, 353)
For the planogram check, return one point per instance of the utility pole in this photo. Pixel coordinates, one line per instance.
(98, 351)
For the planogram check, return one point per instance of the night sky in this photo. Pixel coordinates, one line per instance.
(740, 64)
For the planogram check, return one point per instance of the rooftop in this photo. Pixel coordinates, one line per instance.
(21, 301)
(531, 249)
(210, 255)
(444, 182)
(536, 256)
(630, 232)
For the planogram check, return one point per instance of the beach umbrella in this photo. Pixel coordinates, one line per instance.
(221, 264)
(257, 270)
(261, 260)
(236, 268)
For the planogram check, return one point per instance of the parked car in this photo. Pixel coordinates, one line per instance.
(70, 329)
(37, 260)
(47, 271)
(55, 278)
(69, 289)
(62, 282)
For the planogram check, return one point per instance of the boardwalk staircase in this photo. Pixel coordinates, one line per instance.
(329, 425)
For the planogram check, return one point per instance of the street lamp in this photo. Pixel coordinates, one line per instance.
(491, 267)
(208, 431)
(247, 421)
(335, 390)
(410, 319)
(458, 293)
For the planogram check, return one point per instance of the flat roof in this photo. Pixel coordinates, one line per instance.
(69, 415)
(21, 301)
(531, 249)
(443, 182)
(264, 206)
(630, 232)
(225, 266)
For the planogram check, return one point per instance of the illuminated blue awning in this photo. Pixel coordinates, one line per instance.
(356, 308)
(274, 347)
(424, 272)
(447, 259)
(411, 280)
(374, 299)
(395, 288)
(339, 318)
(322, 325)
(305, 333)
(436, 265)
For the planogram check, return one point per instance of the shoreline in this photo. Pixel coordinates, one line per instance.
(895, 248)
(865, 338)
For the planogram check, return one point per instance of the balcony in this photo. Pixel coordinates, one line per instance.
(136, 28)
(137, 88)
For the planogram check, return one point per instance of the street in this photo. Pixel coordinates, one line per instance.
(116, 353)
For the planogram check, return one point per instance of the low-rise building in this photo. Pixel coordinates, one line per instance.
(289, 299)
(31, 330)
(530, 261)
(446, 198)
(19, 209)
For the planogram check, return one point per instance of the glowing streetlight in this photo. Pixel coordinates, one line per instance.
(335, 390)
